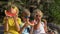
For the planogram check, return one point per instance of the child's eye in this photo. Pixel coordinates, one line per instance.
(38, 16)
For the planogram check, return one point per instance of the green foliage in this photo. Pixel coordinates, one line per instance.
(55, 10)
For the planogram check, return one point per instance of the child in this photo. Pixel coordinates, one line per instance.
(25, 26)
(39, 25)
(12, 21)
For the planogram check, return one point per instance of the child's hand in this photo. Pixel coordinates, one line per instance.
(5, 12)
(32, 23)
(45, 21)
(6, 18)
(15, 17)
(27, 22)
(39, 20)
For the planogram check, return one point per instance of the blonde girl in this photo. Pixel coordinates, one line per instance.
(39, 25)
(11, 20)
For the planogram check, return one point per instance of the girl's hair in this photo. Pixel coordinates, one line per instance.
(14, 7)
(7, 12)
(26, 12)
(37, 11)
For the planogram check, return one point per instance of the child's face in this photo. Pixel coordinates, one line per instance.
(13, 10)
(24, 17)
(38, 17)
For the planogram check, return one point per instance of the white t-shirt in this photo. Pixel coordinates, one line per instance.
(40, 30)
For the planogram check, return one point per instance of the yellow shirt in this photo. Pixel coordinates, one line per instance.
(11, 25)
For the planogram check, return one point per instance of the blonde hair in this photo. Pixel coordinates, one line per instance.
(14, 7)
(26, 12)
(37, 11)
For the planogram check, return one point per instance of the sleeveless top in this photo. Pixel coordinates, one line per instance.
(40, 30)
(26, 30)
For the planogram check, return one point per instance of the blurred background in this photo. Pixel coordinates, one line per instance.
(50, 8)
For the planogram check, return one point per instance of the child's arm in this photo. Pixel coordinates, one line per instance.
(32, 23)
(31, 31)
(45, 28)
(16, 24)
(45, 25)
(6, 24)
(25, 25)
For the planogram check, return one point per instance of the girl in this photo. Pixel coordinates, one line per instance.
(12, 21)
(39, 25)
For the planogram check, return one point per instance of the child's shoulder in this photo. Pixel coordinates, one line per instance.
(42, 23)
(19, 18)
